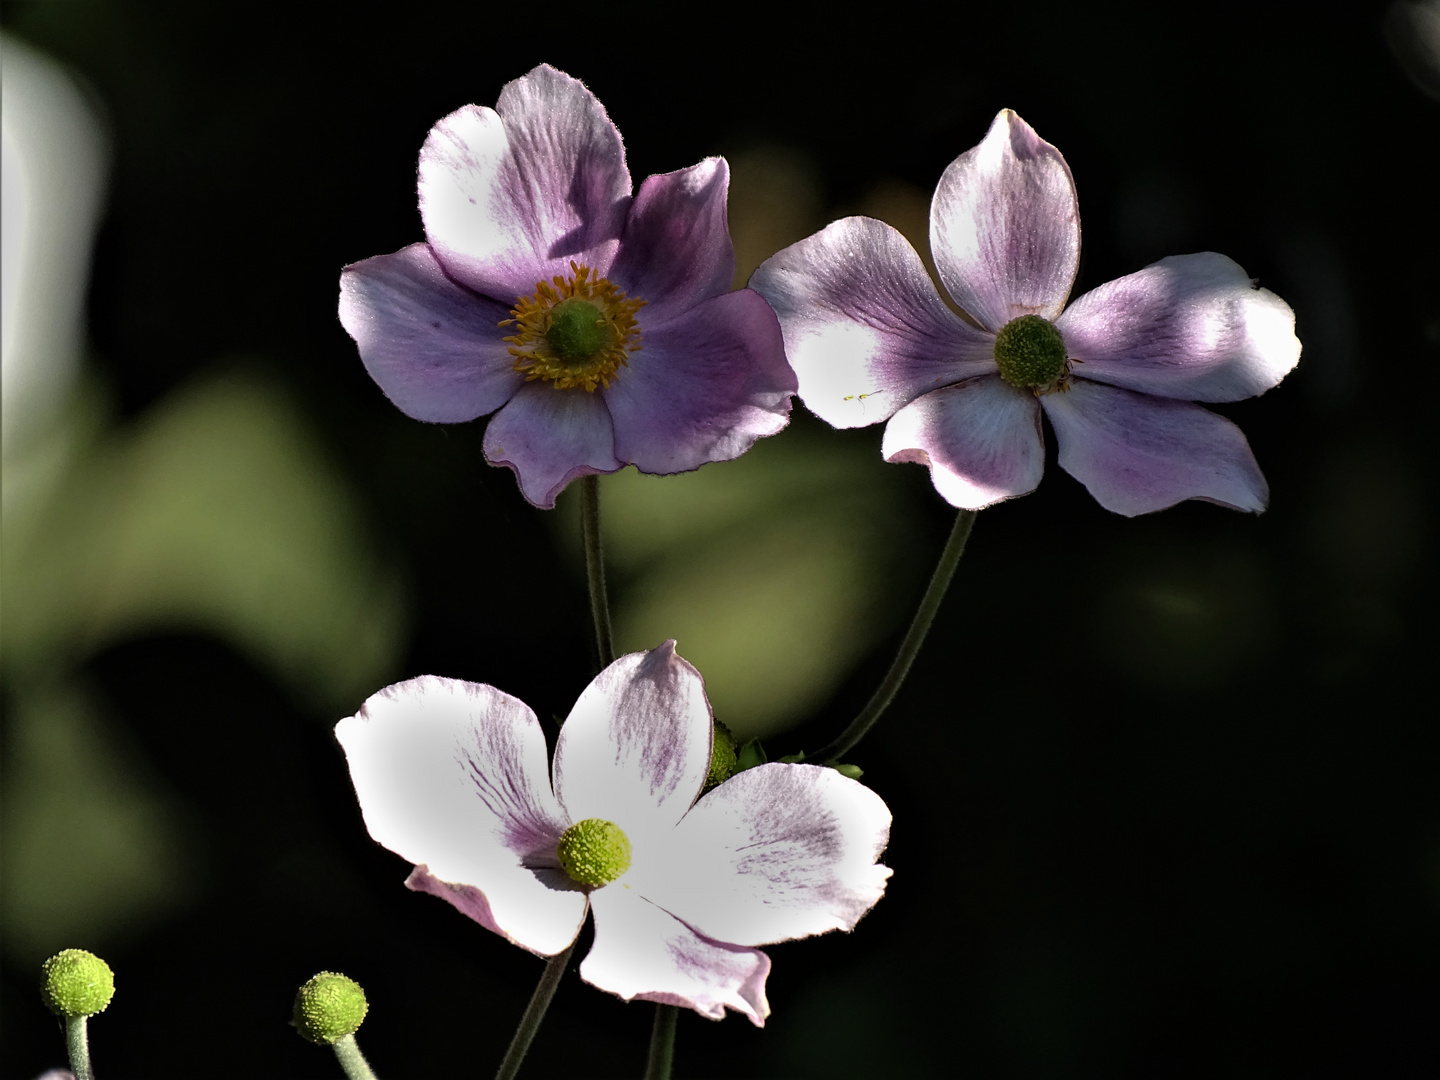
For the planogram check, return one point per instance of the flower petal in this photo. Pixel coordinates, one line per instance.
(643, 952)
(549, 437)
(864, 327)
(676, 250)
(1005, 226)
(980, 438)
(451, 775)
(433, 346)
(635, 749)
(1192, 327)
(510, 196)
(774, 853)
(703, 388)
(1137, 453)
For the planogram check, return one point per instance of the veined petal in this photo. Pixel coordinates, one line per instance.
(1192, 327)
(1137, 453)
(864, 327)
(511, 195)
(704, 386)
(643, 952)
(676, 250)
(433, 346)
(550, 437)
(980, 438)
(774, 853)
(452, 776)
(554, 923)
(1005, 226)
(636, 747)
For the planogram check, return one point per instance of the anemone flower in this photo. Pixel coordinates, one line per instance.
(599, 324)
(453, 777)
(1116, 372)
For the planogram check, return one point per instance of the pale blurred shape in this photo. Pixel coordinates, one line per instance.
(90, 848)
(775, 572)
(1413, 33)
(53, 154)
(216, 511)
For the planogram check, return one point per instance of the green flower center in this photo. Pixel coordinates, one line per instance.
(329, 1007)
(1030, 353)
(578, 330)
(594, 852)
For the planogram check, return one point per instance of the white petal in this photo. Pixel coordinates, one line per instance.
(452, 776)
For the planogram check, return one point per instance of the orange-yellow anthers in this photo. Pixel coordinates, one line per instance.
(574, 331)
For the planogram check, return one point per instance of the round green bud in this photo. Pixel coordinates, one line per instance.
(329, 1007)
(1030, 353)
(578, 330)
(594, 852)
(722, 756)
(76, 983)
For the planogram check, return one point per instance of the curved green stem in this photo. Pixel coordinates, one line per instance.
(534, 1014)
(662, 1043)
(77, 1046)
(595, 567)
(905, 656)
(347, 1052)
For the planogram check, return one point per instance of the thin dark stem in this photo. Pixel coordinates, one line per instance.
(347, 1052)
(662, 1043)
(595, 567)
(534, 1014)
(78, 1048)
(905, 656)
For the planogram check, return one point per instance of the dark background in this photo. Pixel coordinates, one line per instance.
(1165, 789)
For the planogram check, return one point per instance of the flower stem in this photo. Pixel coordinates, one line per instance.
(595, 567)
(78, 1047)
(347, 1052)
(534, 1012)
(662, 1043)
(905, 656)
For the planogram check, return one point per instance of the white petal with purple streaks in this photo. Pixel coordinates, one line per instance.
(864, 327)
(774, 853)
(1005, 226)
(452, 776)
(1136, 453)
(980, 438)
(643, 952)
(1192, 327)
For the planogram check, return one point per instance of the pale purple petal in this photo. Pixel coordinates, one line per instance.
(433, 346)
(510, 196)
(635, 749)
(643, 952)
(774, 853)
(1192, 327)
(1137, 453)
(452, 776)
(980, 438)
(864, 327)
(703, 387)
(1005, 226)
(550, 437)
(676, 250)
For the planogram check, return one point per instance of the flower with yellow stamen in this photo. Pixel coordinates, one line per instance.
(576, 332)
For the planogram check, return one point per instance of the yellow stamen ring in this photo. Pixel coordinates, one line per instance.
(548, 344)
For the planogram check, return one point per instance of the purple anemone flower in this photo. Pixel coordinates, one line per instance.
(452, 776)
(1116, 372)
(599, 323)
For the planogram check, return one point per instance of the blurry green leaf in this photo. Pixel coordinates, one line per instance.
(749, 755)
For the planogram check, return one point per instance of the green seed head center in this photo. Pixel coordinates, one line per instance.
(578, 330)
(594, 852)
(1030, 353)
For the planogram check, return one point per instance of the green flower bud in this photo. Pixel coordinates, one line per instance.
(594, 852)
(76, 983)
(329, 1007)
(722, 756)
